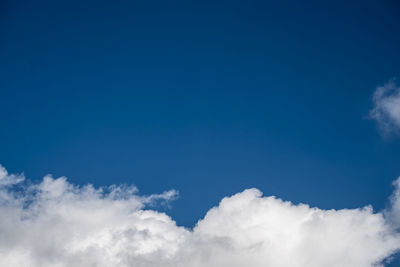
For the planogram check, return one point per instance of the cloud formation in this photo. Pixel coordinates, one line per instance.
(386, 110)
(55, 223)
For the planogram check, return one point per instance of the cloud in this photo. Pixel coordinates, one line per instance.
(56, 223)
(393, 214)
(6, 179)
(386, 110)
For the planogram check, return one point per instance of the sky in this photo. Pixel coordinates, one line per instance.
(205, 98)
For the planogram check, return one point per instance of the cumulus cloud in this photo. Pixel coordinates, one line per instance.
(386, 110)
(6, 179)
(56, 223)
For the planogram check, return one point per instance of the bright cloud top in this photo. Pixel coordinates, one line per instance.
(55, 223)
(386, 110)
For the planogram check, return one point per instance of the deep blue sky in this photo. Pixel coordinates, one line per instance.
(208, 98)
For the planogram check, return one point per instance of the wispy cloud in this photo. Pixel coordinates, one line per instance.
(56, 223)
(386, 110)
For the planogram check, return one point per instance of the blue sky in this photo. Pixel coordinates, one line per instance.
(205, 97)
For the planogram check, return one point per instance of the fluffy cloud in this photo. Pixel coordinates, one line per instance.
(386, 110)
(55, 223)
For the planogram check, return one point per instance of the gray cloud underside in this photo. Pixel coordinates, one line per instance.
(57, 224)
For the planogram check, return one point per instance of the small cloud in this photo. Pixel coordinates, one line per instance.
(6, 179)
(386, 110)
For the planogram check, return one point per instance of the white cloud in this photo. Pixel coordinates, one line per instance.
(386, 110)
(55, 223)
(6, 179)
